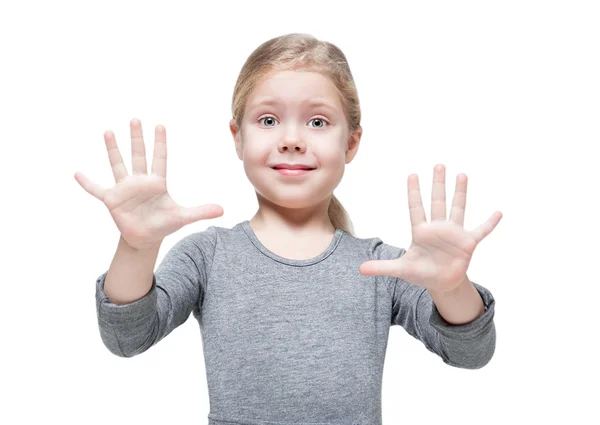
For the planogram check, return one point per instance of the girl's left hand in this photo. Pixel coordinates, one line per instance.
(440, 252)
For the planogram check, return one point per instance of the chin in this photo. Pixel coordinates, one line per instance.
(302, 198)
(292, 202)
(301, 194)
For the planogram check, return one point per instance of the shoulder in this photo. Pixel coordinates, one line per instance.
(201, 244)
(209, 235)
(211, 238)
(375, 248)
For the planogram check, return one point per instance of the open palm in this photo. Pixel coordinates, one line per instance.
(441, 250)
(140, 204)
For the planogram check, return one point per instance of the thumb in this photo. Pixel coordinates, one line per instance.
(203, 212)
(379, 267)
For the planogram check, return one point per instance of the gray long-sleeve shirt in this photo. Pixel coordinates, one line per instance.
(289, 341)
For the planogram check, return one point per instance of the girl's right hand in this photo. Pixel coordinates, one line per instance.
(140, 205)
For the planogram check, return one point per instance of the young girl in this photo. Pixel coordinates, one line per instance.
(294, 310)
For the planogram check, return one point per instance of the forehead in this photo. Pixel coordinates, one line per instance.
(295, 88)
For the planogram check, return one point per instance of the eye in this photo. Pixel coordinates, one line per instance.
(267, 118)
(272, 120)
(321, 120)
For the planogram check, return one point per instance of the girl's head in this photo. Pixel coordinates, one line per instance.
(295, 102)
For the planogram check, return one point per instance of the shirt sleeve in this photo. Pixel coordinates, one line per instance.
(468, 346)
(178, 287)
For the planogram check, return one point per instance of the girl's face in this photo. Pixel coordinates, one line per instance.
(295, 117)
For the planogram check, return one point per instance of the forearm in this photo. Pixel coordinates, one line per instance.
(129, 277)
(461, 305)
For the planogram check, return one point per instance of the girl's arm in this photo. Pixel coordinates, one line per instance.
(468, 346)
(177, 286)
(129, 277)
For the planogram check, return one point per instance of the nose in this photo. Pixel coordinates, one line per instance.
(292, 144)
(291, 140)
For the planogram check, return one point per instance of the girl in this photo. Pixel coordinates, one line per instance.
(294, 310)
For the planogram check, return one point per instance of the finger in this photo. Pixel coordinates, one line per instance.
(114, 156)
(415, 203)
(486, 228)
(438, 193)
(138, 149)
(459, 202)
(204, 212)
(89, 186)
(159, 160)
(379, 268)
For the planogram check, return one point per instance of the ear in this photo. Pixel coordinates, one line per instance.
(353, 144)
(237, 139)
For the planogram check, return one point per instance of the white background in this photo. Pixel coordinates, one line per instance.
(505, 92)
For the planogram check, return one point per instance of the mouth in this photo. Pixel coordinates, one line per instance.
(293, 172)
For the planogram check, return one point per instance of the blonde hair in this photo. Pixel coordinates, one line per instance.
(301, 52)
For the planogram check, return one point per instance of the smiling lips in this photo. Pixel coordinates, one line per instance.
(292, 172)
(293, 166)
(292, 169)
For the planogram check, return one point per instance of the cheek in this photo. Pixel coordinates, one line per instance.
(331, 154)
(255, 148)
(335, 146)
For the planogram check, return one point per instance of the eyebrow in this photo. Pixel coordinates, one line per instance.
(310, 102)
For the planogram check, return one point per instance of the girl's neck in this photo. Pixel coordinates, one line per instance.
(292, 222)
